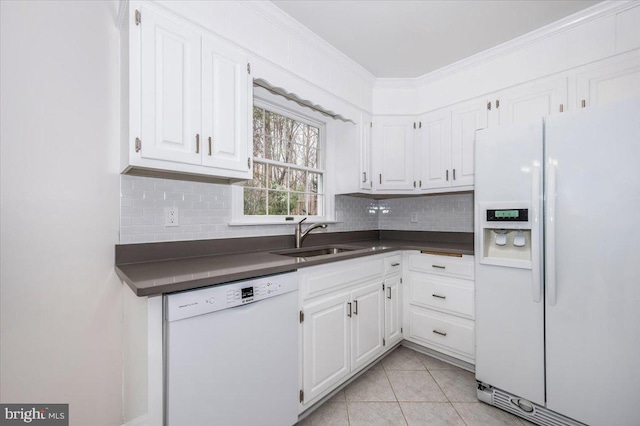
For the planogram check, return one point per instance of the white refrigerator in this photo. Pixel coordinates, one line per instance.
(557, 216)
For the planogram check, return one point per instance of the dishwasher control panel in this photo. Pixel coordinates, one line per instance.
(211, 299)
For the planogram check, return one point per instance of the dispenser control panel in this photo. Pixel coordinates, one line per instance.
(507, 215)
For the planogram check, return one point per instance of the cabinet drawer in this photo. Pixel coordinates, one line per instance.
(450, 295)
(447, 331)
(319, 280)
(461, 267)
(393, 264)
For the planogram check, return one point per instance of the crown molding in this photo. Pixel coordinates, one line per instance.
(279, 17)
(597, 11)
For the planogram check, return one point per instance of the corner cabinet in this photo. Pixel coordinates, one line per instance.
(189, 99)
(393, 144)
(347, 321)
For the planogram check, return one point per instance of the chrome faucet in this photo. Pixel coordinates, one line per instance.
(300, 235)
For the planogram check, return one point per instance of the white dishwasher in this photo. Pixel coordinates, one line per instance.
(231, 354)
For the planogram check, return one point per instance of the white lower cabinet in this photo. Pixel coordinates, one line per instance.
(439, 306)
(347, 320)
(367, 323)
(393, 310)
(326, 344)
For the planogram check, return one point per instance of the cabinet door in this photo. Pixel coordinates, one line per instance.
(394, 145)
(170, 84)
(434, 150)
(466, 118)
(531, 101)
(393, 310)
(367, 324)
(326, 337)
(609, 82)
(365, 153)
(226, 107)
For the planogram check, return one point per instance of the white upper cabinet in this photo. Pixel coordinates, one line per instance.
(366, 179)
(352, 157)
(446, 140)
(433, 150)
(393, 145)
(610, 81)
(190, 96)
(531, 101)
(466, 118)
(170, 70)
(226, 106)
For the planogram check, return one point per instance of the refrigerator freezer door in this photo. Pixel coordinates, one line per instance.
(593, 260)
(509, 313)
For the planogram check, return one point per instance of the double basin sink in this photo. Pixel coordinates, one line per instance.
(302, 254)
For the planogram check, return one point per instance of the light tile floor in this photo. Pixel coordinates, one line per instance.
(409, 388)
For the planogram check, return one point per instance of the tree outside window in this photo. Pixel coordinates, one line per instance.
(287, 173)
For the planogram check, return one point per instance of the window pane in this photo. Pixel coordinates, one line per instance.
(278, 203)
(258, 120)
(255, 201)
(277, 177)
(299, 203)
(297, 180)
(315, 205)
(259, 176)
(314, 183)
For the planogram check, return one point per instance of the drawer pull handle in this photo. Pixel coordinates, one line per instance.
(440, 332)
(355, 307)
(349, 313)
(395, 264)
(438, 296)
(438, 266)
(389, 295)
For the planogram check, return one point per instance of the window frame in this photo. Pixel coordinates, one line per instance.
(279, 105)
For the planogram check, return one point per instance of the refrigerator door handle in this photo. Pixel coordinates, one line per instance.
(551, 232)
(536, 267)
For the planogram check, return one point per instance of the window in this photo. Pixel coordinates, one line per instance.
(288, 174)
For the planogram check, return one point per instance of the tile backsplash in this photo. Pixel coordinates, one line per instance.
(205, 212)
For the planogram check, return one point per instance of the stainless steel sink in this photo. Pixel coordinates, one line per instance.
(315, 251)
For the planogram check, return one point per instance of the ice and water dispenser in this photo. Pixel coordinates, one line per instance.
(506, 234)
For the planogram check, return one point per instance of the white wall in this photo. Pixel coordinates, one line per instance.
(61, 302)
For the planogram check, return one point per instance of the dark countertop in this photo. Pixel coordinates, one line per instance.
(170, 272)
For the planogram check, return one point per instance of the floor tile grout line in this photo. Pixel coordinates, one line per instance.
(394, 394)
(443, 392)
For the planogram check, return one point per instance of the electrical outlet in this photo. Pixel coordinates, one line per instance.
(171, 216)
(414, 217)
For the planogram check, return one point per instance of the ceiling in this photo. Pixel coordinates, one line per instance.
(412, 38)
